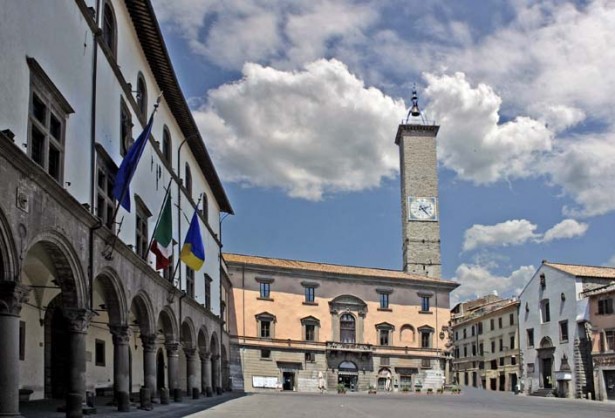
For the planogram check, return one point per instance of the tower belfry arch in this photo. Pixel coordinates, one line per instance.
(416, 138)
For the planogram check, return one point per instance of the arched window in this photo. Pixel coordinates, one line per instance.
(141, 94)
(347, 329)
(188, 180)
(109, 28)
(407, 334)
(205, 207)
(166, 145)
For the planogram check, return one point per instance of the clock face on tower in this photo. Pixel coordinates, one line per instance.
(422, 209)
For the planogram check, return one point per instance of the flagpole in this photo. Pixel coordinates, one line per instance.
(111, 245)
(179, 257)
(166, 196)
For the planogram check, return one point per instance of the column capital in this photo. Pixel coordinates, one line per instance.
(120, 333)
(149, 342)
(172, 348)
(78, 319)
(204, 355)
(215, 356)
(189, 352)
(12, 296)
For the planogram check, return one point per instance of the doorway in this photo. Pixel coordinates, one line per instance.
(513, 381)
(502, 382)
(609, 383)
(288, 379)
(349, 381)
(547, 364)
(57, 353)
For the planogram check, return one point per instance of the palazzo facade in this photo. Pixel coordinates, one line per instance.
(81, 306)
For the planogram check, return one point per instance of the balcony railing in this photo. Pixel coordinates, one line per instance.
(354, 347)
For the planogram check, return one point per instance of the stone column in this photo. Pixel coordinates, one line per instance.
(216, 366)
(78, 323)
(205, 373)
(121, 372)
(173, 359)
(190, 370)
(149, 362)
(12, 295)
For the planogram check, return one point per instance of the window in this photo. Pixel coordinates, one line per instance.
(481, 349)
(501, 361)
(384, 301)
(99, 352)
(167, 153)
(208, 281)
(473, 349)
(492, 322)
(512, 342)
(511, 319)
(266, 354)
(500, 323)
(383, 336)
(265, 331)
(563, 331)
(265, 322)
(310, 357)
(105, 179)
(141, 94)
(493, 346)
(426, 336)
(609, 340)
(473, 330)
(190, 282)
(265, 290)
(480, 328)
(545, 311)
(456, 353)
(513, 360)
(425, 363)
(501, 344)
(46, 122)
(205, 207)
(465, 335)
(109, 34)
(465, 351)
(347, 329)
(188, 180)
(22, 340)
(605, 306)
(141, 230)
(530, 338)
(167, 273)
(494, 364)
(310, 332)
(425, 303)
(456, 335)
(125, 128)
(309, 294)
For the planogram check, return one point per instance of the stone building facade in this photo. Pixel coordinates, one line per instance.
(81, 306)
(601, 309)
(486, 343)
(555, 329)
(293, 322)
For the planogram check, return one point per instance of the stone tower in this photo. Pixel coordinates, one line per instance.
(419, 194)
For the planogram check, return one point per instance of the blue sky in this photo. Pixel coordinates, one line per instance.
(299, 103)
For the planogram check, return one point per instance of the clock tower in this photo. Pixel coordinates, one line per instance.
(420, 210)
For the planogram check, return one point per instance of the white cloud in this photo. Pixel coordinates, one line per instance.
(308, 132)
(477, 281)
(472, 140)
(513, 232)
(232, 32)
(568, 228)
(519, 231)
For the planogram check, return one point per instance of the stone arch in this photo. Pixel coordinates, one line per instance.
(114, 295)
(213, 345)
(68, 270)
(407, 334)
(8, 251)
(187, 333)
(546, 342)
(144, 311)
(203, 340)
(55, 349)
(167, 324)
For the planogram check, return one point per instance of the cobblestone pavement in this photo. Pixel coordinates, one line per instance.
(473, 403)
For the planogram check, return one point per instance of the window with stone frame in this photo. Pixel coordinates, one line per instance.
(512, 342)
(125, 128)
(425, 303)
(530, 337)
(310, 357)
(563, 331)
(189, 282)
(208, 281)
(106, 171)
(384, 300)
(204, 207)
(605, 306)
(141, 228)
(310, 327)
(109, 28)
(480, 328)
(167, 273)
(426, 333)
(265, 290)
(425, 363)
(511, 319)
(608, 340)
(142, 94)
(545, 311)
(265, 322)
(383, 336)
(265, 354)
(500, 323)
(492, 323)
(309, 294)
(481, 349)
(347, 328)
(492, 346)
(167, 150)
(47, 117)
(188, 180)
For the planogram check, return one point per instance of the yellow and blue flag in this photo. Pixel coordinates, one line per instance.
(193, 253)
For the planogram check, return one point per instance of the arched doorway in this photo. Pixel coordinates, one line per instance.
(167, 328)
(188, 366)
(545, 354)
(348, 375)
(57, 350)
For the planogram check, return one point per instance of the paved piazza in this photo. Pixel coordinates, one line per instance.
(472, 403)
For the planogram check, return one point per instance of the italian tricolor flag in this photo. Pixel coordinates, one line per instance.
(162, 244)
